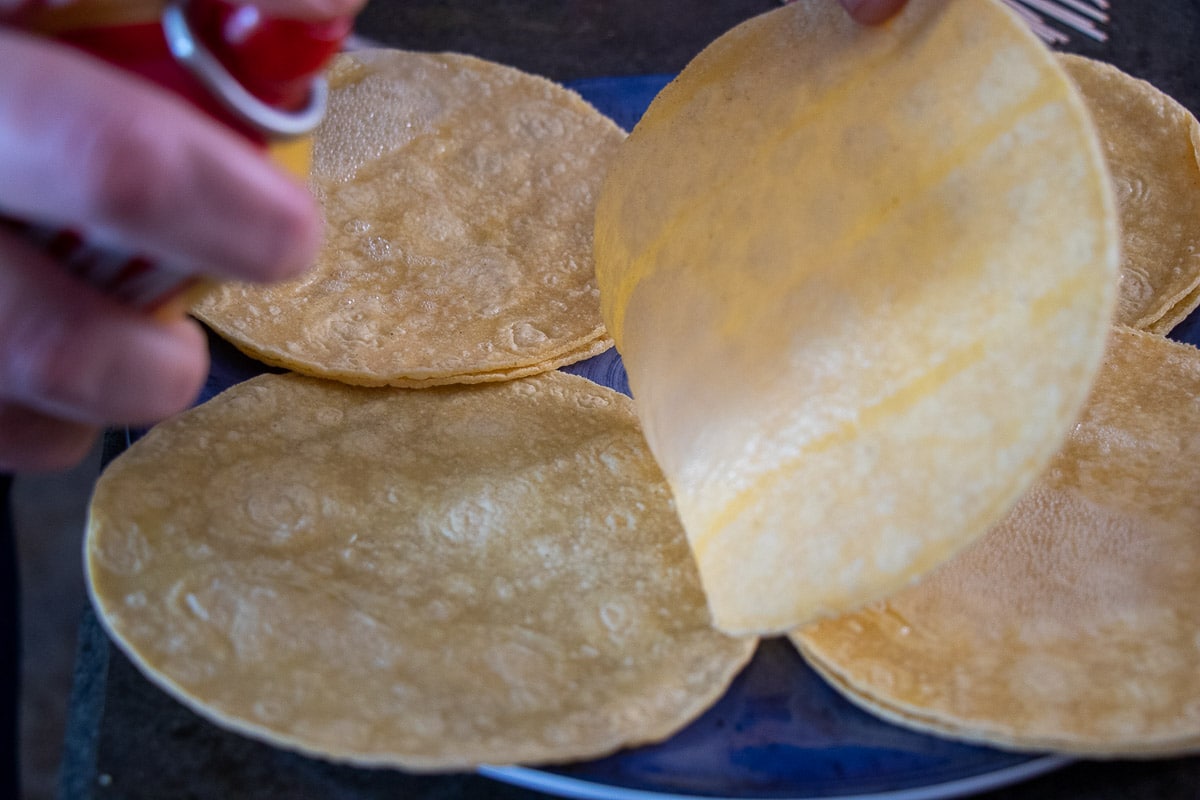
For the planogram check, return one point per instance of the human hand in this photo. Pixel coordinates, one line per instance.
(84, 145)
(872, 12)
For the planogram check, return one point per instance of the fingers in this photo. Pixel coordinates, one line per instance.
(70, 353)
(872, 12)
(82, 145)
(34, 442)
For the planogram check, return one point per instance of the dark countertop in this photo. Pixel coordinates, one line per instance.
(127, 739)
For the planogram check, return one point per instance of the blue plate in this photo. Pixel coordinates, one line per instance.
(780, 731)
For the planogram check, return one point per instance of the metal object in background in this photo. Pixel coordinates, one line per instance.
(1050, 19)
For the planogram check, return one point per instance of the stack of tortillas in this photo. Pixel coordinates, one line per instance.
(434, 578)
(1152, 147)
(458, 196)
(1074, 624)
(862, 280)
(428, 578)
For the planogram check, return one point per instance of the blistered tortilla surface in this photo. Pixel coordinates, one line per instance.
(861, 280)
(458, 197)
(1073, 625)
(1152, 147)
(432, 579)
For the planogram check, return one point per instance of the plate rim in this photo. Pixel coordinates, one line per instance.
(581, 789)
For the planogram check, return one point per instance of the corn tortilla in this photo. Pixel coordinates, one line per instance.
(861, 280)
(1073, 625)
(1152, 147)
(458, 196)
(431, 579)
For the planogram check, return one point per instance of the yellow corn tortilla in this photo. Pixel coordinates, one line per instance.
(458, 196)
(1073, 625)
(861, 280)
(431, 579)
(1151, 144)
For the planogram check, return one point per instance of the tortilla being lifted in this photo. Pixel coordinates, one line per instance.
(459, 196)
(431, 579)
(861, 279)
(1074, 624)
(1152, 147)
